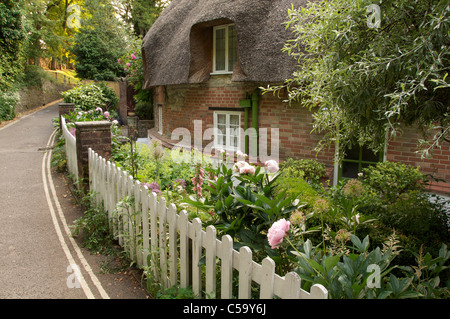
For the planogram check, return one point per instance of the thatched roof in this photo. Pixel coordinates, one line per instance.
(176, 50)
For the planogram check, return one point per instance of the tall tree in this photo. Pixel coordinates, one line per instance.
(12, 39)
(369, 66)
(140, 14)
(100, 42)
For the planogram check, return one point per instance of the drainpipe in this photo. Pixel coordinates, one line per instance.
(251, 101)
(255, 101)
(246, 104)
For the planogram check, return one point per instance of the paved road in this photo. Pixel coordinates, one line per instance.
(38, 259)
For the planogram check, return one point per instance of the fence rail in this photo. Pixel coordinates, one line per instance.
(176, 250)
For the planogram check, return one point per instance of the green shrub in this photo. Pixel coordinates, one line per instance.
(8, 101)
(34, 76)
(391, 179)
(312, 170)
(91, 96)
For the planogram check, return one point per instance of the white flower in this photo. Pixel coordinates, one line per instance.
(272, 166)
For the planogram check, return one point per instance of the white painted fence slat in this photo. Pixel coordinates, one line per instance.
(145, 225)
(173, 251)
(162, 211)
(245, 273)
(227, 267)
(267, 274)
(154, 232)
(138, 221)
(196, 256)
(210, 270)
(185, 266)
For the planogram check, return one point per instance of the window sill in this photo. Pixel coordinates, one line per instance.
(221, 73)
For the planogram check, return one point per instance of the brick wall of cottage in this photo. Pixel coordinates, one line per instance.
(183, 104)
(404, 149)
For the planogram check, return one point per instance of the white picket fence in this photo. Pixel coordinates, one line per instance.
(70, 148)
(176, 245)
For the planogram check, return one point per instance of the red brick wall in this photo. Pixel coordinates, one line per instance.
(403, 149)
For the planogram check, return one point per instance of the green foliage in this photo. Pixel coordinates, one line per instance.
(311, 170)
(362, 80)
(132, 64)
(94, 226)
(390, 180)
(8, 101)
(100, 42)
(369, 273)
(34, 76)
(91, 96)
(12, 37)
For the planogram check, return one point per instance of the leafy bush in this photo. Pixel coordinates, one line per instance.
(391, 179)
(8, 101)
(94, 226)
(34, 76)
(312, 170)
(91, 96)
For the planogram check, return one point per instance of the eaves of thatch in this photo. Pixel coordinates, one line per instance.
(177, 49)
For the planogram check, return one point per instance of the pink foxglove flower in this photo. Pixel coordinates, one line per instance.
(277, 232)
(272, 166)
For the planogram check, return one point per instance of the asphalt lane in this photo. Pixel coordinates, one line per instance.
(38, 258)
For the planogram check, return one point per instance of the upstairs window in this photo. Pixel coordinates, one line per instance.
(224, 49)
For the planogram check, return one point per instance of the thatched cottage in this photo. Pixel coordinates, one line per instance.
(206, 59)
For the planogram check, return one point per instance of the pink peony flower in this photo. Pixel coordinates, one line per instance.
(133, 57)
(128, 64)
(239, 165)
(272, 166)
(277, 232)
(106, 114)
(99, 109)
(247, 169)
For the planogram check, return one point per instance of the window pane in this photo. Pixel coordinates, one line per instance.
(220, 49)
(222, 129)
(234, 120)
(232, 51)
(352, 153)
(349, 170)
(368, 155)
(221, 139)
(221, 119)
